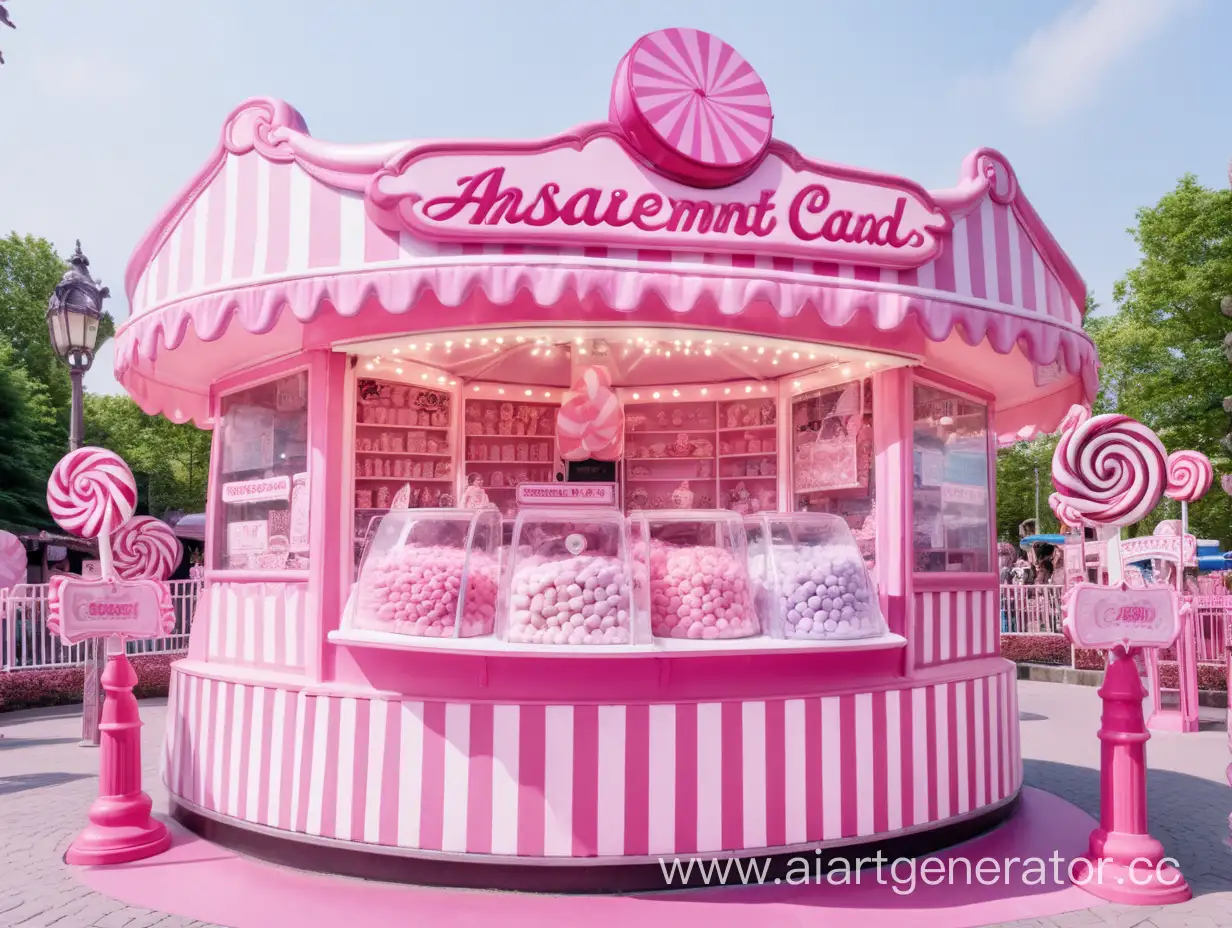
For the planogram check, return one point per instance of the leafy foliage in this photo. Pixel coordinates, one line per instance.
(29, 439)
(174, 459)
(1161, 354)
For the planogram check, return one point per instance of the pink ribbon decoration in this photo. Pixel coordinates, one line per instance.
(591, 420)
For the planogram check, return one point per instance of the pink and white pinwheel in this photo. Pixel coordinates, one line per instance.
(591, 421)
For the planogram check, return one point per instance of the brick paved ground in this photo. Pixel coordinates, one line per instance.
(47, 782)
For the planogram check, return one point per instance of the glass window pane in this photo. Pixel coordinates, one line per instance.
(262, 489)
(950, 495)
(832, 458)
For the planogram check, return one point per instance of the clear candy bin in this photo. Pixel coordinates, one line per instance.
(568, 580)
(691, 568)
(433, 573)
(810, 581)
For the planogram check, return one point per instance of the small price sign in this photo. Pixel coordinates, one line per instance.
(1118, 616)
(79, 609)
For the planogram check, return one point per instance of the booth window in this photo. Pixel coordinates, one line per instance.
(951, 511)
(832, 457)
(262, 486)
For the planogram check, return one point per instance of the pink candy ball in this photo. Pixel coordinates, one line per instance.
(698, 592)
(415, 591)
(577, 600)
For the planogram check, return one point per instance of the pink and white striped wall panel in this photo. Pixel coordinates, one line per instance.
(618, 781)
(257, 624)
(955, 625)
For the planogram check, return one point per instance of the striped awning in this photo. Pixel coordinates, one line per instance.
(275, 232)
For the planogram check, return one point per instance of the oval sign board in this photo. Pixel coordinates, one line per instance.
(1118, 616)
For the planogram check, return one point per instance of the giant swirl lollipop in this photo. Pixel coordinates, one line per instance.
(146, 548)
(91, 493)
(1190, 476)
(1109, 469)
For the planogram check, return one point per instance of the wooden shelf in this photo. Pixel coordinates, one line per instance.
(408, 454)
(390, 425)
(535, 437)
(405, 479)
(748, 428)
(753, 477)
(749, 454)
(703, 430)
(668, 479)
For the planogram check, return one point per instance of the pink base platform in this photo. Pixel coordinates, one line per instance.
(199, 880)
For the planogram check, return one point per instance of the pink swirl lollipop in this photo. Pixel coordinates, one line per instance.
(1190, 476)
(13, 560)
(1109, 469)
(1066, 514)
(692, 107)
(91, 492)
(591, 421)
(146, 548)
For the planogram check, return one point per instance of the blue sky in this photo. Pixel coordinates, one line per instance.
(106, 109)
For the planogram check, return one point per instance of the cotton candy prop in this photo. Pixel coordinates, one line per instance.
(146, 548)
(12, 560)
(590, 424)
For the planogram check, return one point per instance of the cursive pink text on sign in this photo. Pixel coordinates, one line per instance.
(591, 190)
(257, 491)
(79, 609)
(566, 494)
(1118, 616)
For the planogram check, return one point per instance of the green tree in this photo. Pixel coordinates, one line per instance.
(28, 437)
(173, 459)
(29, 271)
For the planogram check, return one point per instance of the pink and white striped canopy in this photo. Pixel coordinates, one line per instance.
(270, 249)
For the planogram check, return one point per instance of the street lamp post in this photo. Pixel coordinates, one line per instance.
(73, 314)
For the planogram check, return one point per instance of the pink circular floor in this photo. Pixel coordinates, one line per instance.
(199, 880)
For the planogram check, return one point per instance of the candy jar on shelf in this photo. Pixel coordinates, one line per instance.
(682, 496)
(429, 573)
(568, 580)
(474, 497)
(740, 499)
(691, 573)
(810, 580)
(474, 425)
(382, 497)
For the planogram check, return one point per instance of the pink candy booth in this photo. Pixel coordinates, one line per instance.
(620, 494)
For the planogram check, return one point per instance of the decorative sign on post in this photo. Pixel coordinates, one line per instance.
(92, 493)
(1120, 616)
(81, 609)
(566, 494)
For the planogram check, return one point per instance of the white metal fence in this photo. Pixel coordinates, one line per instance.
(1031, 608)
(27, 644)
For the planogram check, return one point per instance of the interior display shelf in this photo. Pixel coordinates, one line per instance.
(752, 477)
(405, 479)
(749, 428)
(391, 425)
(669, 479)
(749, 454)
(495, 435)
(407, 454)
(529, 464)
(702, 430)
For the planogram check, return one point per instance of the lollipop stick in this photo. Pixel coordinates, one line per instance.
(106, 565)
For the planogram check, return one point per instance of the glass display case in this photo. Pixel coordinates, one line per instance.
(691, 570)
(262, 477)
(568, 580)
(809, 578)
(431, 573)
(951, 510)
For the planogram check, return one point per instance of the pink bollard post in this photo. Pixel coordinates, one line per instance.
(1228, 682)
(120, 828)
(1124, 864)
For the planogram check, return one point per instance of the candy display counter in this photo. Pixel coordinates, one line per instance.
(688, 545)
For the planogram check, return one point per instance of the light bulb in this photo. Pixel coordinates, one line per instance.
(500, 390)
(775, 361)
(667, 354)
(440, 379)
(368, 366)
(500, 341)
(637, 396)
(397, 351)
(397, 370)
(812, 356)
(520, 339)
(475, 388)
(761, 350)
(581, 351)
(655, 395)
(675, 393)
(704, 391)
(795, 356)
(448, 344)
(529, 392)
(453, 383)
(846, 371)
(428, 346)
(534, 352)
(796, 384)
(412, 346)
(765, 389)
(424, 376)
(727, 390)
(547, 395)
(744, 347)
(748, 389)
(707, 352)
(483, 341)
